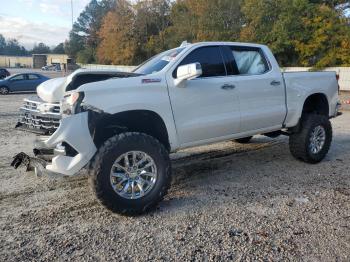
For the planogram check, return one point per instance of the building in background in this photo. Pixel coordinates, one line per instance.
(16, 61)
(36, 61)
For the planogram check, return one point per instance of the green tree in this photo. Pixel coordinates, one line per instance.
(117, 44)
(2, 44)
(326, 39)
(130, 32)
(297, 31)
(85, 30)
(14, 48)
(40, 48)
(152, 17)
(86, 56)
(204, 20)
(59, 49)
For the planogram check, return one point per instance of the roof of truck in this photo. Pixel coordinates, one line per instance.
(185, 44)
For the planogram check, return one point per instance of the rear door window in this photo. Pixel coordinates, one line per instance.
(210, 59)
(32, 77)
(250, 60)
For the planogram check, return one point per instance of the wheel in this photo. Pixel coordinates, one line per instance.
(131, 173)
(4, 90)
(313, 141)
(244, 140)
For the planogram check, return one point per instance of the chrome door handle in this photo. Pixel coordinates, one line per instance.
(228, 87)
(275, 83)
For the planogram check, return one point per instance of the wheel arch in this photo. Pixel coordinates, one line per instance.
(149, 122)
(316, 103)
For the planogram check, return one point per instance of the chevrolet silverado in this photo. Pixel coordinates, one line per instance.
(122, 129)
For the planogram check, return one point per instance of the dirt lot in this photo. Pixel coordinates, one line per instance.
(227, 202)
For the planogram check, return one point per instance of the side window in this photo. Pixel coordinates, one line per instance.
(17, 78)
(209, 57)
(249, 60)
(231, 66)
(32, 77)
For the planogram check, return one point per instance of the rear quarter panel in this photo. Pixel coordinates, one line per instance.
(300, 85)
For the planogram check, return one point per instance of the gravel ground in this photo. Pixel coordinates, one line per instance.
(227, 202)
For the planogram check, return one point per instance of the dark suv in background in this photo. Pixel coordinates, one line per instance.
(4, 73)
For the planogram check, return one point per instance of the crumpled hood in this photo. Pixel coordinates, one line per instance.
(52, 90)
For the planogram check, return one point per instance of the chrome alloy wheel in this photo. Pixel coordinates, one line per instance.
(317, 139)
(133, 174)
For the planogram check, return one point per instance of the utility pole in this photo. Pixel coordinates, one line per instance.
(71, 6)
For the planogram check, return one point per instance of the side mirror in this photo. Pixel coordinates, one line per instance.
(188, 72)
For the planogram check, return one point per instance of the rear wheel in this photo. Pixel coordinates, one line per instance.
(244, 140)
(131, 173)
(311, 144)
(4, 90)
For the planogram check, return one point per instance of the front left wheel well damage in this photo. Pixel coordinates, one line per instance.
(104, 126)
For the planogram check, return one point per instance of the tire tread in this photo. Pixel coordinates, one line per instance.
(96, 166)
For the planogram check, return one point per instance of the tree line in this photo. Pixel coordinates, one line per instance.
(300, 32)
(12, 47)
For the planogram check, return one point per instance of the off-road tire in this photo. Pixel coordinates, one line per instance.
(244, 140)
(100, 168)
(299, 142)
(4, 90)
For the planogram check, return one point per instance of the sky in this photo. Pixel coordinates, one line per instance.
(35, 21)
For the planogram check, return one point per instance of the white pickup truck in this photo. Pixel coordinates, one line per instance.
(123, 129)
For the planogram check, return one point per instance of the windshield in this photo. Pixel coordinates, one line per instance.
(158, 62)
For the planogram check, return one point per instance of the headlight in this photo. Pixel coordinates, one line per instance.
(70, 103)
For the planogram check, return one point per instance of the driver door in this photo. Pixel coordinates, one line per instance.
(207, 107)
(18, 83)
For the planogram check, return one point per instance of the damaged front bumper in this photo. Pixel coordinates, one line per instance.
(73, 147)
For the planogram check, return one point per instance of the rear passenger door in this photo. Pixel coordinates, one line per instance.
(207, 107)
(260, 88)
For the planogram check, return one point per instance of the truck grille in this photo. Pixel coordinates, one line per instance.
(31, 119)
(40, 122)
(33, 106)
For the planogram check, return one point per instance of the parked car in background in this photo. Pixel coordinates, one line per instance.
(4, 73)
(51, 68)
(21, 82)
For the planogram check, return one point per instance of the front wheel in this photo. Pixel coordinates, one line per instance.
(131, 173)
(4, 90)
(311, 144)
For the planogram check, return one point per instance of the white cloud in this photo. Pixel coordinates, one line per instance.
(50, 8)
(27, 2)
(46, 21)
(28, 33)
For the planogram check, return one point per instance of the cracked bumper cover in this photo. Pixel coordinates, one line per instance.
(73, 130)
